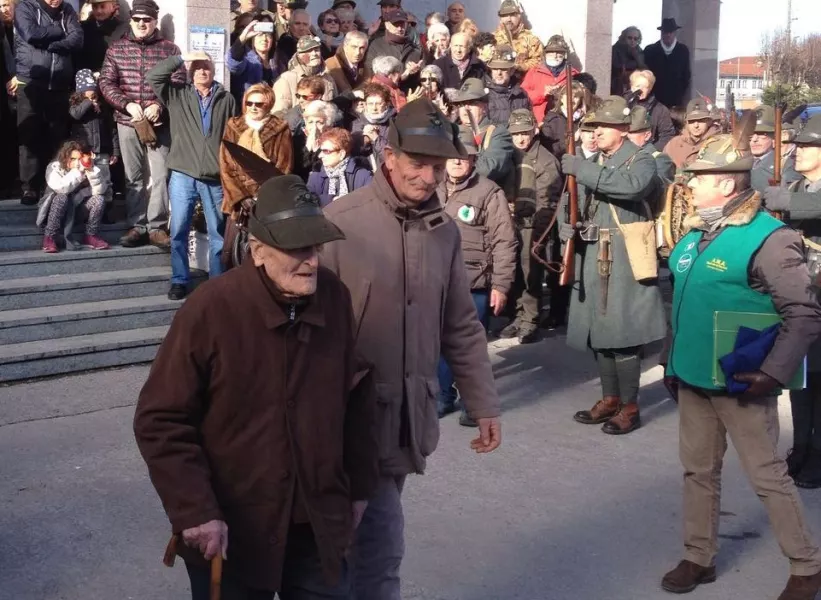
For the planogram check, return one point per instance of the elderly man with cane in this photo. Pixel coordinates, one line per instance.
(255, 423)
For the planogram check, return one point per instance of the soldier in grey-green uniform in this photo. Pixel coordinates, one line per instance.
(641, 134)
(762, 146)
(537, 191)
(613, 315)
(738, 259)
(801, 202)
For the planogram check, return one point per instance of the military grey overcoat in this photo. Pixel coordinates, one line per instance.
(635, 311)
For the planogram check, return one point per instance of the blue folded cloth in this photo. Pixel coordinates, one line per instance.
(751, 349)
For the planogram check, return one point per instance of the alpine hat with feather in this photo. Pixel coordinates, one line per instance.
(728, 153)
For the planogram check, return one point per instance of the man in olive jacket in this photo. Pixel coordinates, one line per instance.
(199, 112)
(403, 264)
(613, 315)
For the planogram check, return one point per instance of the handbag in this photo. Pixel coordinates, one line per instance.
(640, 241)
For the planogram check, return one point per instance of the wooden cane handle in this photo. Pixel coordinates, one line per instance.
(216, 577)
(171, 550)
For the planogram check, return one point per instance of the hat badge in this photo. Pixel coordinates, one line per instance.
(731, 157)
(625, 112)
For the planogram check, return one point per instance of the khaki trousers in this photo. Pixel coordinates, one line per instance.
(705, 422)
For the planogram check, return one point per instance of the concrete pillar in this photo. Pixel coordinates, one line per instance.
(699, 20)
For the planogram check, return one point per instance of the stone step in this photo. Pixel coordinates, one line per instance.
(36, 263)
(80, 353)
(53, 290)
(70, 320)
(30, 237)
(14, 213)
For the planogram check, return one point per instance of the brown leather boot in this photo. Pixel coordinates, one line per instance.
(687, 576)
(625, 421)
(801, 588)
(602, 411)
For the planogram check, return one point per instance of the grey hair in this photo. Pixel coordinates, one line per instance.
(623, 36)
(356, 35)
(464, 36)
(321, 108)
(435, 17)
(387, 65)
(299, 11)
(437, 28)
(436, 71)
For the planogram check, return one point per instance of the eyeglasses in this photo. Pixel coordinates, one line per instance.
(142, 20)
(250, 104)
(428, 79)
(328, 150)
(306, 96)
(331, 21)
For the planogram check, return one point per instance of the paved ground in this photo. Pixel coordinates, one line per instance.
(562, 512)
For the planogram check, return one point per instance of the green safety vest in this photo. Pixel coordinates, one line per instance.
(711, 281)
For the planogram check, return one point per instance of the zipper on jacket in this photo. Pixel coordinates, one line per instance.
(292, 313)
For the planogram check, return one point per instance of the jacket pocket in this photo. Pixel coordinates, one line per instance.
(428, 419)
(388, 405)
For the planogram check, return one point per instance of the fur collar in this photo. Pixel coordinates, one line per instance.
(749, 203)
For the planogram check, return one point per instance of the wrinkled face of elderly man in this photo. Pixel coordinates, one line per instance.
(460, 46)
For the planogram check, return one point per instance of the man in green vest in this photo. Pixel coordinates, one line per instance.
(736, 258)
(802, 203)
(611, 313)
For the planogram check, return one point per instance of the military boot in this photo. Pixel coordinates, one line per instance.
(687, 576)
(510, 331)
(625, 421)
(602, 411)
(796, 458)
(809, 475)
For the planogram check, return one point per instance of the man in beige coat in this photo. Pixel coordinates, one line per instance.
(307, 62)
(403, 264)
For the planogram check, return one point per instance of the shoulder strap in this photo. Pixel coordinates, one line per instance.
(488, 134)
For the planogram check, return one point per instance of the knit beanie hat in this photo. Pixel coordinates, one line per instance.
(84, 81)
(148, 8)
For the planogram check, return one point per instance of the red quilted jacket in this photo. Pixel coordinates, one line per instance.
(122, 78)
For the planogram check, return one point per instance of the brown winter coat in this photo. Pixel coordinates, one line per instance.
(682, 149)
(240, 407)
(479, 207)
(338, 68)
(276, 141)
(412, 302)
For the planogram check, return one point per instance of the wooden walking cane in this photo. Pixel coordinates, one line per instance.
(216, 565)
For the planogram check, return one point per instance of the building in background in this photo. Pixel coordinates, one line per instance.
(746, 77)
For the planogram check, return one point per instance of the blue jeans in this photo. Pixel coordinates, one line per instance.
(183, 192)
(447, 395)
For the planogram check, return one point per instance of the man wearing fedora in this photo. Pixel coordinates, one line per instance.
(198, 113)
(403, 263)
(739, 259)
(611, 312)
(479, 207)
(762, 146)
(228, 425)
(504, 95)
(669, 60)
(495, 144)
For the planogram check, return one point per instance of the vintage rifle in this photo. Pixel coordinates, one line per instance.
(777, 159)
(568, 258)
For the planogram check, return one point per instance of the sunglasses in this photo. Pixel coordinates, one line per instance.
(328, 150)
(633, 38)
(428, 79)
(142, 20)
(331, 21)
(306, 97)
(250, 104)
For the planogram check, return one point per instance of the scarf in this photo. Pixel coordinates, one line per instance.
(668, 50)
(337, 184)
(396, 39)
(250, 139)
(379, 119)
(462, 65)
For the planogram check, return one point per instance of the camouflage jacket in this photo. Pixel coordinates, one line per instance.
(529, 49)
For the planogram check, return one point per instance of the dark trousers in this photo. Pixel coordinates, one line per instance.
(527, 289)
(806, 413)
(9, 146)
(42, 127)
(559, 295)
(302, 577)
(447, 394)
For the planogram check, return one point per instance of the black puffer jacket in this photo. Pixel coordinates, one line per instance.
(503, 99)
(451, 78)
(97, 129)
(98, 37)
(45, 43)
